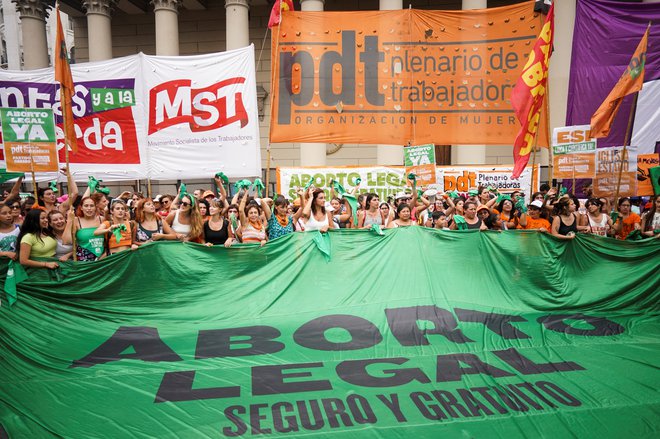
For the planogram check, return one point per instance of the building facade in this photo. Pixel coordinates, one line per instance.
(105, 29)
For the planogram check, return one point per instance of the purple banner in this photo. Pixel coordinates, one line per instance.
(605, 36)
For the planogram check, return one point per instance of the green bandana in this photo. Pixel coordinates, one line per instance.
(521, 206)
(503, 197)
(259, 185)
(453, 194)
(614, 215)
(240, 184)
(412, 177)
(461, 224)
(309, 183)
(53, 186)
(182, 191)
(223, 177)
(338, 188)
(377, 229)
(117, 232)
(473, 192)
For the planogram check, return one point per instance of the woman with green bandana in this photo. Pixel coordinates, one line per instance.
(36, 241)
(507, 212)
(118, 229)
(281, 223)
(89, 247)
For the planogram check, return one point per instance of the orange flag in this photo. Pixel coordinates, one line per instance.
(528, 94)
(631, 81)
(63, 76)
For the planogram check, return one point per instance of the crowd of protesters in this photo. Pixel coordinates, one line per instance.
(90, 226)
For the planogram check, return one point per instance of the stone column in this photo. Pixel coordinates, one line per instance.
(389, 154)
(99, 33)
(237, 24)
(167, 26)
(470, 154)
(312, 154)
(33, 14)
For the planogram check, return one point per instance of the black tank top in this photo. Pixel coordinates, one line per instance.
(476, 225)
(216, 237)
(564, 229)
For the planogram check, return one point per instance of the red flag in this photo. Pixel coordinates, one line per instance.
(631, 81)
(63, 76)
(528, 94)
(276, 12)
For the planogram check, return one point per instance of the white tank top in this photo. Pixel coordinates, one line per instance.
(598, 228)
(313, 224)
(182, 229)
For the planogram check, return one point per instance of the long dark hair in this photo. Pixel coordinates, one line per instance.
(32, 224)
(648, 215)
(315, 195)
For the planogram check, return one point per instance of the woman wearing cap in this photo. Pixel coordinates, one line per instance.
(314, 212)
(372, 215)
(36, 241)
(253, 228)
(186, 221)
(483, 212)
(531, 220)
(403, 219)
(149, 226)
(216, 228)
(651, 219)
(595, 221)
(118, 230)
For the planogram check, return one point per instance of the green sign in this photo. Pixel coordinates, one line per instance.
(573, 148)
(104, 99)
(419, 155)
(27, 125)
(419, 333)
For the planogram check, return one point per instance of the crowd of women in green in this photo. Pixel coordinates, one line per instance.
(91, 226)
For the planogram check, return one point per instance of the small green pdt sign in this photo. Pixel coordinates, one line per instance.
(29, 139)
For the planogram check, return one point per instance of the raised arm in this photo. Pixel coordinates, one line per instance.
(16, 188)
(307, 210)
(266, 208)
(241, 209)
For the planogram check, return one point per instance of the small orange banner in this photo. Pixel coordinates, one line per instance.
(34, 156)
(401, 77)
(644, 163)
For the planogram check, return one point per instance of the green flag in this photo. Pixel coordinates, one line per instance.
(654, 173)
(15, 275)
(425, 334)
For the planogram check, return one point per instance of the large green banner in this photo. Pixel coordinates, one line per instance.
(418, 333)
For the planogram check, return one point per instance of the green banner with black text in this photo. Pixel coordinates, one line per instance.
(418, 333)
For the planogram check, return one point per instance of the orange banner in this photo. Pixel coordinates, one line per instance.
(400, 77)
(644, 163)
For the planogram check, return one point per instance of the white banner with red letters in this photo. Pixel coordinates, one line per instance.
(154, 117)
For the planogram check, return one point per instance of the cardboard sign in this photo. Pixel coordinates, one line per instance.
(644, 163)
(420, 160)
(607, 172)
(29, 139)
(574, 152)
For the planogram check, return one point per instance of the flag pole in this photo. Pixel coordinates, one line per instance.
(531, 180)
(267, 169)
(551, 159)
(626, 142)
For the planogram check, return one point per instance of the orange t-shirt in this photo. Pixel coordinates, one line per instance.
(537, 223)
(126, 236)
(629, 225)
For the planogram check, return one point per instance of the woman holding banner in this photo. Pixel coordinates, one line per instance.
(186, 221)
(316, 217)
(89, 247)
(565, 221)
(253, 228)
(281, 223)
(627, 220)
(595, 221)
(36, 241)
(372, 214)
(118, 230)
(149, 226)
(651, 219)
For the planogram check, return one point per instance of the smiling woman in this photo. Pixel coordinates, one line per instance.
(36, 240)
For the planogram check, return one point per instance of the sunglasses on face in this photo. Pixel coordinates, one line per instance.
(16, 206)
(185, 203)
